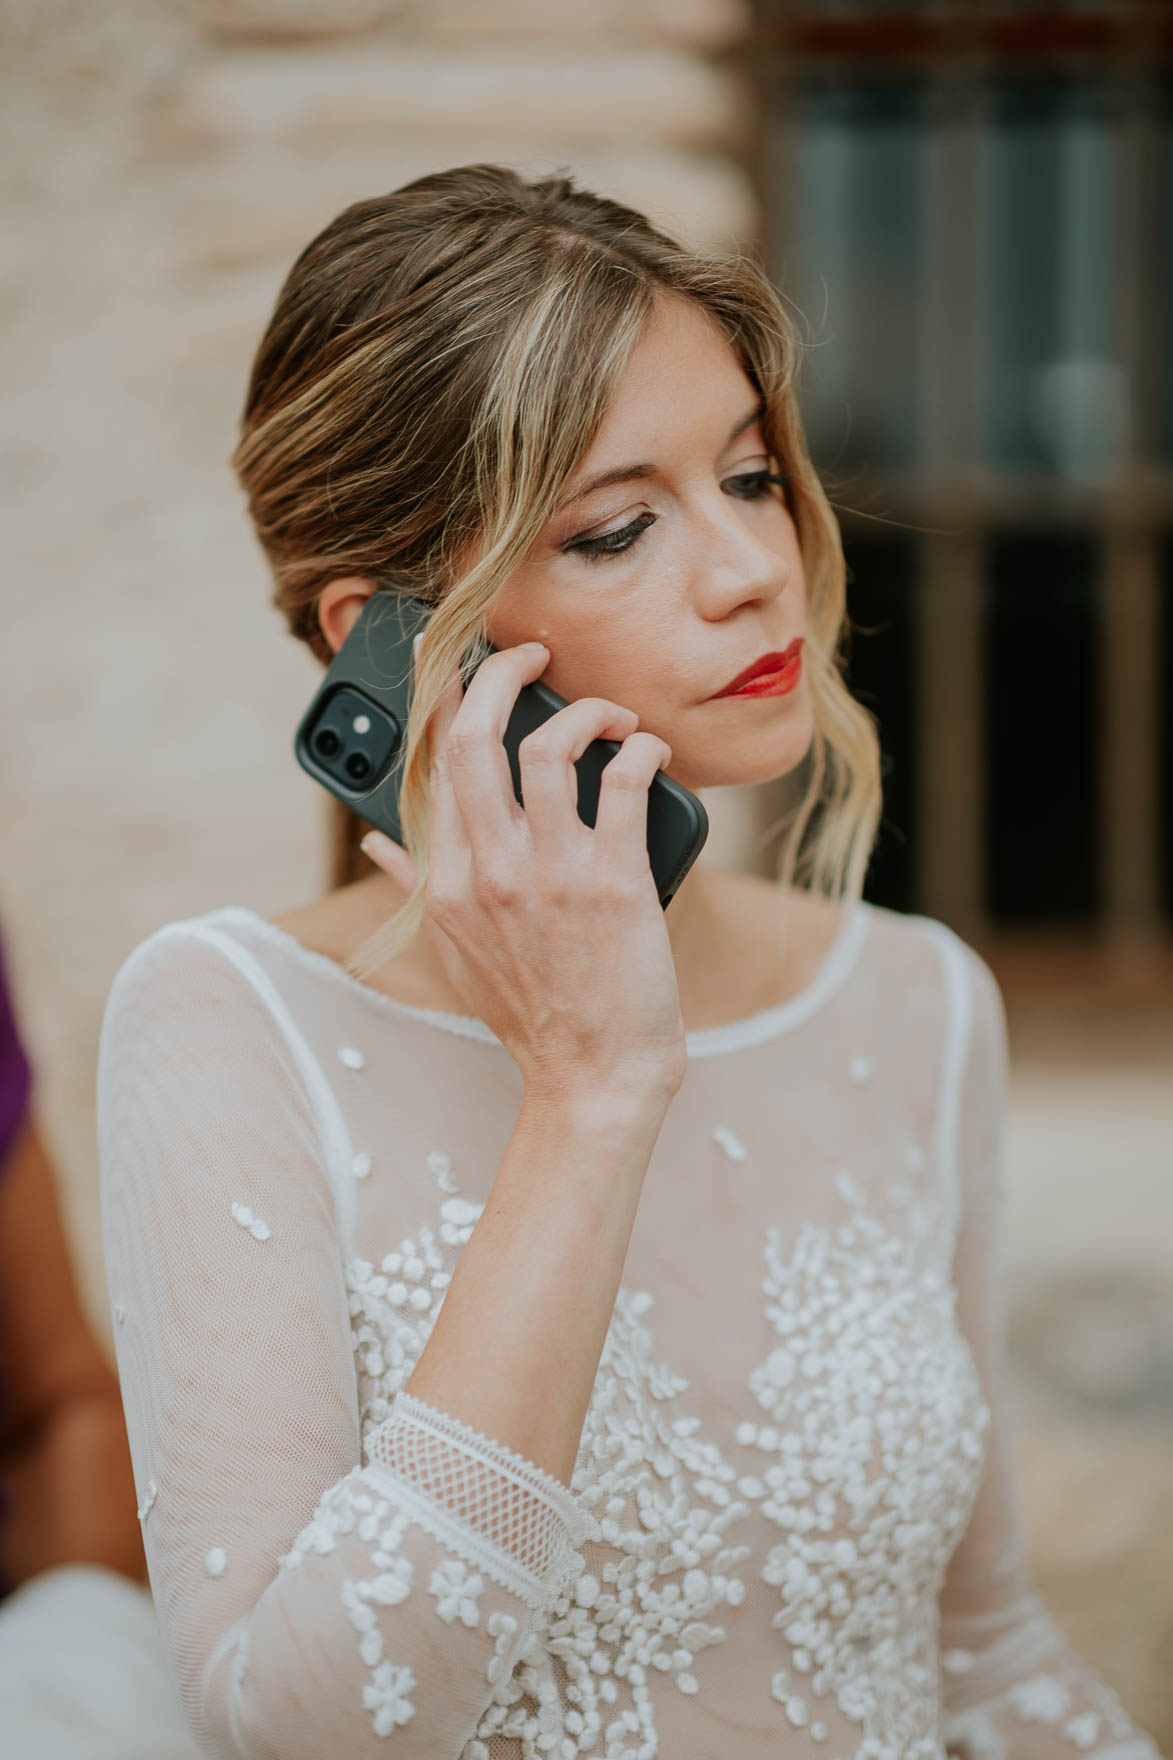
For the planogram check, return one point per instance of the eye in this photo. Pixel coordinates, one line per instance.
(753, 485)
(611, 543)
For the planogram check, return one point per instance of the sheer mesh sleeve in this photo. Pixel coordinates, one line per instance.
(1013, 1688)
(310, 1601)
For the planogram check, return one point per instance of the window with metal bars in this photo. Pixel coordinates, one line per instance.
(972, 208)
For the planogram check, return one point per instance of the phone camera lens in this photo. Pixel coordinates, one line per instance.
(358, 766)
(327, 743)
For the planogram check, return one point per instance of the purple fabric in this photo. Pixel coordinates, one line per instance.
(15, 1073)
(15, 1087)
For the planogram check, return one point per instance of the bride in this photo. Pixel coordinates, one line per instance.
(549, 1324)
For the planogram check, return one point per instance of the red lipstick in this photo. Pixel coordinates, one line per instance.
(771, 675)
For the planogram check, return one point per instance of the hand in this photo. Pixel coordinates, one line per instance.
(551, 930)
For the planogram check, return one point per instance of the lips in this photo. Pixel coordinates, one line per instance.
(772, 662)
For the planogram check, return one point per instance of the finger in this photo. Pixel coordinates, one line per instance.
(392, 858)
(475, 761)
(546, 759)
(621, 823)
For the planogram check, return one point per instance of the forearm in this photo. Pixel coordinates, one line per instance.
(517, 1342)
(71, 1494)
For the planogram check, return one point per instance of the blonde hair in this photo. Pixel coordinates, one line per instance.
(438, 362)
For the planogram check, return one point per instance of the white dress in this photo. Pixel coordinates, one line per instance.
(791, 1529)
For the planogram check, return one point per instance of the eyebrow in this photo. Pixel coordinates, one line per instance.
(631, 473)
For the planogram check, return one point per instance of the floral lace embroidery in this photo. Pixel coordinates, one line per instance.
(876, 1455)
(1076, 1703)
(388, 1696)
(348, 1508)
(663, 1497)
(874, 1452)
(664, 1500)
(456, 1589)
(441, 1165)
(730, 1142)
(256, 1226)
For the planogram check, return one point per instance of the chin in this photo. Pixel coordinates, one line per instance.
(763, 756)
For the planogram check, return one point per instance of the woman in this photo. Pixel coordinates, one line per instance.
(549, 1324)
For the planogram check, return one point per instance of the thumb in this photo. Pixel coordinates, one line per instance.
(392, 858)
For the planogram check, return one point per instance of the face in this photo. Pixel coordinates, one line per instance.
(658, 586)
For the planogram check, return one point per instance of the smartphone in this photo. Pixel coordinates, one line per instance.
(351, 737)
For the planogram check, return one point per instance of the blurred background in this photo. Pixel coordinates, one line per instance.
(970, 207)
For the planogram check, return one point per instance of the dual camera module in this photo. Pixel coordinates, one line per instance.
(328, 744)
(353, 739)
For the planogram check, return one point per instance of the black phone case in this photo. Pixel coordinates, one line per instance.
(370, 678)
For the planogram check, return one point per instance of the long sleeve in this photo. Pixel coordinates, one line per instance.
(314, 1595)
(1013, 1688)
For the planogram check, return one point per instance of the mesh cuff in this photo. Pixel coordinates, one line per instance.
(495, 1509)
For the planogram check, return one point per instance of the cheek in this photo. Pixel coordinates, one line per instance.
(588, 662)
(517, 616)
(625, 660)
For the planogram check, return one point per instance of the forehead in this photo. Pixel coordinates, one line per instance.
(682, 385)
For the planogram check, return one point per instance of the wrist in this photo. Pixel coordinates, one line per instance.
(598, 1106)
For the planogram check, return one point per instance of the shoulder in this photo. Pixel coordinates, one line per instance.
(915, 937)
(975, 1041)
(926, 965)
(195, 1014)
(183, 970)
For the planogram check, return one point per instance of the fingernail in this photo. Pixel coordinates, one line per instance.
(539, 646)
(371, 843)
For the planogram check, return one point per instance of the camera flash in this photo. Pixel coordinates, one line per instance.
(362, 724)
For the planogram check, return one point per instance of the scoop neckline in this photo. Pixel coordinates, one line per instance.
(752, 1029)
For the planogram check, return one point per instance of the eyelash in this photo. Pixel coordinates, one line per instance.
(614, 543)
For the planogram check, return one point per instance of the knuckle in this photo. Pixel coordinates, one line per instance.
(441, 898)
(561, 890)
(623, 779)
(496, 884)
(538, 747)
(461, 746)
(615, 891)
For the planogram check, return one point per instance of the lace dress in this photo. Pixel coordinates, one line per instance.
(791, 1528)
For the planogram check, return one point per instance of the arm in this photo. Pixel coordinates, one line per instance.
(64, 1460)
(517, 1342)
(1013, 1688)
(317, 1591)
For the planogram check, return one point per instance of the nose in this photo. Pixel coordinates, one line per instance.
(736, 561)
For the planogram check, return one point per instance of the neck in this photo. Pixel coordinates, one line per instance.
(689, 916)
(690, 919)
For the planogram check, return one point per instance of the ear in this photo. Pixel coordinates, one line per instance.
(339, 603)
